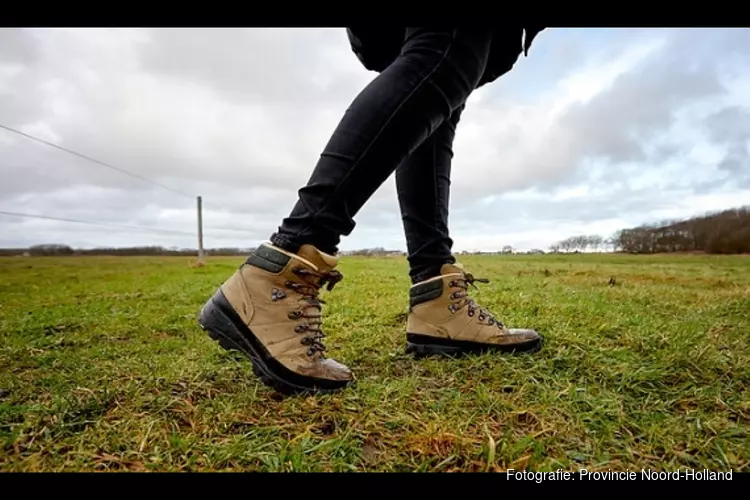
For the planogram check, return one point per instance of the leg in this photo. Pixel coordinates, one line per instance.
(423, 186)
(443, 318)
(423, 181)
(434, 75)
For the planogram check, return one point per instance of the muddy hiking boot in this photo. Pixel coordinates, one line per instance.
(269, 310)
(444, 320)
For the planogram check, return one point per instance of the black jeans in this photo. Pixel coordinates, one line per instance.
(406, 117)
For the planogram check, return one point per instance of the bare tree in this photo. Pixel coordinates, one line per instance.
(596, 242)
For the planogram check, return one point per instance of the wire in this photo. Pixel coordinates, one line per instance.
(107, 224)
(137, 228)
(236, 229)
(94, 160)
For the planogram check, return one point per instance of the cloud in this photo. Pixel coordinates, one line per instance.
(596, 129)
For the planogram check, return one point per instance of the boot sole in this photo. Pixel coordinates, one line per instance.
(426, 345)
(219, 320)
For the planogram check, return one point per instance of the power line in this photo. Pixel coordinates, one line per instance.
(236, 229)
(94, 160)
(105, 224)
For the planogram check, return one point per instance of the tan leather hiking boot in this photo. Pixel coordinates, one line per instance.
(443, 319)
(269, 310)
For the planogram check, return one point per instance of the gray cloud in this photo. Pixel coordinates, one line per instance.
(260, 65)
(17, 47)
(241, 115)
(730, 127)
(242, 130)
(619, 124)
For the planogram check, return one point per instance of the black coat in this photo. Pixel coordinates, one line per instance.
(376, 48)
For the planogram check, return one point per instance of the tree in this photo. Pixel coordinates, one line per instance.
(595, 241)
(616, 240)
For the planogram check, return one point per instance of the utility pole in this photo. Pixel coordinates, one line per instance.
(200, 229)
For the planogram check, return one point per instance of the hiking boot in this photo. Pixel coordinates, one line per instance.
(443, 319)
(269, 310)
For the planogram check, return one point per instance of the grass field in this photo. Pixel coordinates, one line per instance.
(103, 367)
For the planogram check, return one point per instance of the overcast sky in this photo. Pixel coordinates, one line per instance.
(596, 130)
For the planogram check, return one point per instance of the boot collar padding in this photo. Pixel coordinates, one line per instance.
(293, 256)
(436, 278)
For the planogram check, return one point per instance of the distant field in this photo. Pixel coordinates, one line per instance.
(103, 367)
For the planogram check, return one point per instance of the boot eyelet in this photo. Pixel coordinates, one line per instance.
(293, 315)
(482, 317)
(471, 312)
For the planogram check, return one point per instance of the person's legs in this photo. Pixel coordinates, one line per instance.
(434, 75)
(423, 188)
(269, 308)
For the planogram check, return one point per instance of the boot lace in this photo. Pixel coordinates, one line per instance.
(463, 300)
(310, 309)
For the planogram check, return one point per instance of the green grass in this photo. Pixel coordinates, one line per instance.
(103, 367)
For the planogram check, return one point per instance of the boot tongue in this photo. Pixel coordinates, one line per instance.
(451, 269)
(322, 261)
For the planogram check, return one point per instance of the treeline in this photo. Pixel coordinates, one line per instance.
(726, 232)
(583, 243)
(60, 250)
(373, 252)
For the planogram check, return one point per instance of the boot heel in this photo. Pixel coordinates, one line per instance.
(219, 327)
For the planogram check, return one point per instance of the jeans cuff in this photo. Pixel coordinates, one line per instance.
(284, 243)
